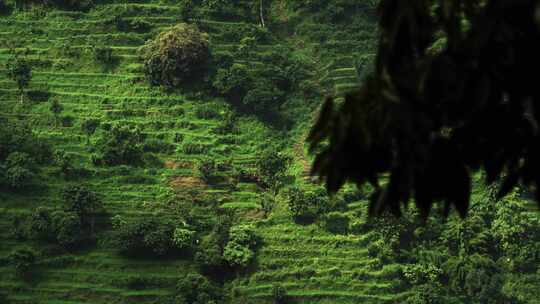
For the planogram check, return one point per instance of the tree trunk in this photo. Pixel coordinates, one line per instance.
(261, 13)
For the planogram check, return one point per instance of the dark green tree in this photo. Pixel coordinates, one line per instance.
(89, 127)
(23, 261)
(56, 108)
(20, 71)
(451, 93)
(176, 56)
(84, 203)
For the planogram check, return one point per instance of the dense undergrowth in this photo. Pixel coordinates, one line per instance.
(128, 177)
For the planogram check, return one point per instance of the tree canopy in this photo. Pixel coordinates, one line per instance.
(451, 93)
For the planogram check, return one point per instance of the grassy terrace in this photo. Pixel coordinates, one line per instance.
(315, 266)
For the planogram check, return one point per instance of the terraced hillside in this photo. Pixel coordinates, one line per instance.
(314, 262)
(59, 43)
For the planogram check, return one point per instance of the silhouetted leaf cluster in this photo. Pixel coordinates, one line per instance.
(453, 91)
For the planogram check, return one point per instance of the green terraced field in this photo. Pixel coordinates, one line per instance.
(314, 265)
(120, 95)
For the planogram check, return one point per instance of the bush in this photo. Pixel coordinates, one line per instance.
(183, 238)
(63, 161)
(209, 254)
(237, 255)
(195, 148)
(19, 170)
(176, 56)
(84, 203)
(137, 25)
(68, 229)
(264, 98)
(336, 222)
(146, 236)
(196, 289)
(304, 206)
(272, 166)
(121, 145)
(40, 224)
(89, 127)
(239, 250)
(207, 168)
(20, 71)
(233, 82)
(23, 261)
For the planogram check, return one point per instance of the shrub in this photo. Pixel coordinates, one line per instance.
(206, 168)
(176, 56)
(56, 108)
(209, 254)
(237, 255)
(183, 238)
(40, 224)
(303, 209)
(67, 121)
(272, 166)
(239, 250)
(137, 25)
(233, 82)
(121, 145)
(146, 236)
(267, 203)
(23, 261)
(264, 98)
(196, 289)
(19, 170)
(336, 222)
(103, 54)
(71, 4)
(63, 161)
(89, 127)
(20, 71)
(67, 228)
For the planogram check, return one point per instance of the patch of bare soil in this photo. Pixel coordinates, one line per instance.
(173, 164)
(186, 182)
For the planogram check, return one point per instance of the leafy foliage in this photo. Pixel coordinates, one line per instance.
(154, 236)
(272, 166)
(84, 203)
(121, 145)
(176, 56)
(431, 116)
(196, 289)
(23, 260)
(20, 71)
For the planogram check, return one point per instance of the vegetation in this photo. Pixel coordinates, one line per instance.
(176, 56)
(200, 192)
(20, 71)
(441, 89)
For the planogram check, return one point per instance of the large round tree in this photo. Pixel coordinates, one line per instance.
(176, 56)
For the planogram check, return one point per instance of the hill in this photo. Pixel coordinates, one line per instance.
(317, 48)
